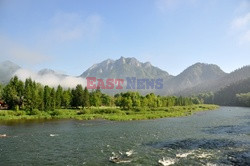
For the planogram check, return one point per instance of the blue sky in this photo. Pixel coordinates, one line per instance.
(70, 36)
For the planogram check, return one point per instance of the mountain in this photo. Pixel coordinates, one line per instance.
(7, 70)
(217, 84)
(125, 67)
(130, 67)
(198, 78)
(44, 72)
(194, 75)
(228, 95)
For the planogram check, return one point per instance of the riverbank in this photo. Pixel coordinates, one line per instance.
(108, 113)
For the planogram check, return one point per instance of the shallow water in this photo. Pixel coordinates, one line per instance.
(220, 137)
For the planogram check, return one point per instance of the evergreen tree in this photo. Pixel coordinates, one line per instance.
(13, 93)
(53, 99)
(77, 96)
(59, 96)
(66, 99)
(46, 98)
(86, 102)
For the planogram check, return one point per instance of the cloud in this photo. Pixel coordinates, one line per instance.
(240, 26)
(73, 26)
(50, 79)
(19, 52)
(165, 5)
(241, 22)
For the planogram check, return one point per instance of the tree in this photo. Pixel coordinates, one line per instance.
(1, 90)
(59, 96)
(152, 100)
(118, 100)
(46, 98)
(86, 102)
(13, 93)
(244, 99)
(96, 98)
(66, 99)
(40, 97)
(77, 96)
(53, 99)
(144, 102)
(127, 103)
(30, 95)
(106, 100)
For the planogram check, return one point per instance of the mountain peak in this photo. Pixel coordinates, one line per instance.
(7, 70)
(46, 71)
(147, 64)
(9, 64)
(196, 74)
(124, 67)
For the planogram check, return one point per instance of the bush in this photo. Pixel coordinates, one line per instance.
(106, 111)
(57, 113)
(84, 111)
(20, 113)
(141, 109)
(35, 112)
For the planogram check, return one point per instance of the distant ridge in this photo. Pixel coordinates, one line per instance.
(7, 70)
(125, 67)
(197, 78)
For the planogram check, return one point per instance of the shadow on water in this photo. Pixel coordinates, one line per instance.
(28, 121)
(201, 151)
(192, 144)
(228, 129)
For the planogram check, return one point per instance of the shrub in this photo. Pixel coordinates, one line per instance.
(20, 113)
(35, 112)
(84, 111)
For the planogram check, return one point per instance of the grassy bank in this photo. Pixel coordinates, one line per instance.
(109, 113)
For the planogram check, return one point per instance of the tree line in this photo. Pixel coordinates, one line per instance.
(236, 94)
(29, 95)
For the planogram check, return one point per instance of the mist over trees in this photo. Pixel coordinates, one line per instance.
(236, 94)
(30, 95)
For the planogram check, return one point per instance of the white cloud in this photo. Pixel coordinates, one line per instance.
(52, 80)
(19, 52)
(240, 26)
(241, 22)
(72, 26)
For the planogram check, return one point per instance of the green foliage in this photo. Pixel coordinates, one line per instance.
(77, 96)
(95, 98)
(109, 113)
(1, 90)
(46, 102)
(233, 95)
(13, 93)
(66, 98)
(35, 112)
(86, 102)
(244, 99)
(59, 96)
(46, 98)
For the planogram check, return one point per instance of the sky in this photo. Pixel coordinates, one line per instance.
(70, 36)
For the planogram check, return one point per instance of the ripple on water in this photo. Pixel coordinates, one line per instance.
(203, 151)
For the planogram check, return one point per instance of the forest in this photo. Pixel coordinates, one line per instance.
(31, 100)
(30, 95)
(237, 94)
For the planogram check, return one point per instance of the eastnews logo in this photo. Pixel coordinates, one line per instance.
(128, 83)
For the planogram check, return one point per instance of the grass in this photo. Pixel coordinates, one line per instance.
(108, 113)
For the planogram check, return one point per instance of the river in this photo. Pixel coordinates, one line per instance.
(219, 137)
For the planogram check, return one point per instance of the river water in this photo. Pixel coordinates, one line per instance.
(219, 137)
